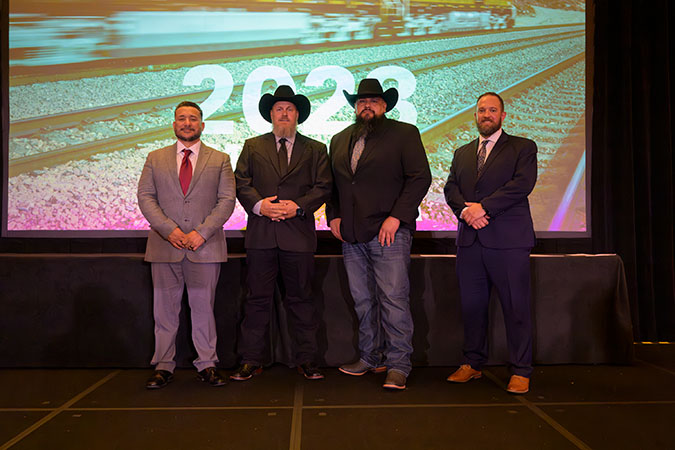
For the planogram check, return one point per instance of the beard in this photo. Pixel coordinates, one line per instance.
(184, 136)
(488, 128)
(284, 129)
(365, 126)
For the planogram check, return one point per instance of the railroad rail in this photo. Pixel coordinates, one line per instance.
(564, 187)
(39, 161)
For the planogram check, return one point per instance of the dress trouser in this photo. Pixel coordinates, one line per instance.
(297, 270)
(169, 280)
(508, 270)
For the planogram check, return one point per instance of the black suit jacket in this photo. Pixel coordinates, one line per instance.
(508, 177)
(308, 183)
(391, 179)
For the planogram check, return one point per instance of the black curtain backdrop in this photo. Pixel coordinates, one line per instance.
(631, 69)
(632, 162)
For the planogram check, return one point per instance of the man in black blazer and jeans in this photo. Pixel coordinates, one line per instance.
(381, 175)
(282, 178)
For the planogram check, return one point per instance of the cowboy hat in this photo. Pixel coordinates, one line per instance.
(284, 93)
(371, 87)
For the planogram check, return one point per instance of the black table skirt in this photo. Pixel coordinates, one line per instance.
(96, 311)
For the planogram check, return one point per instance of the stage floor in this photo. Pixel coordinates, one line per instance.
(568, 406)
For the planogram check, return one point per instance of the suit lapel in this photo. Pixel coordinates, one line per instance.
(368, 150)
(296, 153)
(371, 144)
(170, 166)
(270, 151)
(202, 160)
(349, 147)
(470, 161)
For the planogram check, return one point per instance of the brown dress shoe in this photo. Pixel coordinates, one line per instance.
(518, 385)
(464, 373)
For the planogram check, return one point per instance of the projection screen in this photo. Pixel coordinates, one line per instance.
(93, 86)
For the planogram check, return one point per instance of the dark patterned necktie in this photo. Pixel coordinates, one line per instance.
(358, 150)
(185, 173)
(481, 157)
(283, 156)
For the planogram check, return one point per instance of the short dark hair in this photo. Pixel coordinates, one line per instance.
(494, 94)
(191, 105)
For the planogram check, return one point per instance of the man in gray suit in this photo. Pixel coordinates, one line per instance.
(186, 192)
(282, 178)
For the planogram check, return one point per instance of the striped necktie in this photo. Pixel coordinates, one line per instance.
(481, 157)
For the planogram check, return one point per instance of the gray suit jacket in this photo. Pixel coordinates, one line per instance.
(208, 204)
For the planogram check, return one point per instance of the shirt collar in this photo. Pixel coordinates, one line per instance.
(290, 140)
(194, 147)
(493, 138)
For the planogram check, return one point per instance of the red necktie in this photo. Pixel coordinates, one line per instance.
(185, 174)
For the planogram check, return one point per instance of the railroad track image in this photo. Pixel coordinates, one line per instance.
(548, 107)
(75, 158)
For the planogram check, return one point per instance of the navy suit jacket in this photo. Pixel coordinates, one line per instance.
(508, 177)
(308, 183)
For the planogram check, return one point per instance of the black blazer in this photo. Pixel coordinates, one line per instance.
(391, 179)
(508, 177)
(308, 183)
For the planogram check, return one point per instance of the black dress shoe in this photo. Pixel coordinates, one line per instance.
(310, 371)
(211, 376)
(245, 372)
(159, 379)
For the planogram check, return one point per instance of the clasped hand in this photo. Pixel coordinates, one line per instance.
(475, 215)
(278, 210)
(190, 241)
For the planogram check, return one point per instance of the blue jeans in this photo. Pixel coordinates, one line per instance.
(380, 287)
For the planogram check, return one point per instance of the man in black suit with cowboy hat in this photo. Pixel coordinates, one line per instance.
(381, 175)
(282, 178)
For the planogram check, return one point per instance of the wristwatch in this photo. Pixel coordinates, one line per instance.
(300, 212)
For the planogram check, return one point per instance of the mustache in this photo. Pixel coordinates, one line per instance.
(195, 135)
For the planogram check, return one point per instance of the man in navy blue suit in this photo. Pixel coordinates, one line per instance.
(490, 179)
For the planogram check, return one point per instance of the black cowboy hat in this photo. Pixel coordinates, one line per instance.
(284, 93)
(371, 87)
